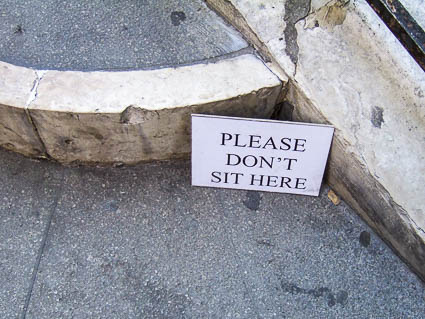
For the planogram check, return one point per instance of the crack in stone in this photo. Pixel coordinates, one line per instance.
(406, 215)
(44, 154)
(34, 90)
(32, 97)
(416, 225)
(295, 11)
(329, 15)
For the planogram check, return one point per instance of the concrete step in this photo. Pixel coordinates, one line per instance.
(126, 117)
(88, 85)
(140, 242)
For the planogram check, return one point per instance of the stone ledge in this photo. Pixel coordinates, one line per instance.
(127, 117)
(346, 66)
(358, 187)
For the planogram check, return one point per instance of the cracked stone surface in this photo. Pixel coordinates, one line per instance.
(34, 91)
(295, 11)
(112, 35)
(16, 131)
(126, 117)
(145, 115)
(140, 242)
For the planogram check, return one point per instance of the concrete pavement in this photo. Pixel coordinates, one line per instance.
(112, 35)
(140, 242)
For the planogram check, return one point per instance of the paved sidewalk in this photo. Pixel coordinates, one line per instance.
(140, 242)
(111, 34)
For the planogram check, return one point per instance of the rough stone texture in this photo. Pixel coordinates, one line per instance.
(144, 115)
(16, 131)
(140, 242)
(355, 78)
(352, 180)
(111, 35)
(356, 75)
(16, 84)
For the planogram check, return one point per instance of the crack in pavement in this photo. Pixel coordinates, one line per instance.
(42, 246)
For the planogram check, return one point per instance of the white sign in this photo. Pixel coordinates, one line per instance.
(262, 155)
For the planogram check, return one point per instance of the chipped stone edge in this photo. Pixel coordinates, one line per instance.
(34, 106)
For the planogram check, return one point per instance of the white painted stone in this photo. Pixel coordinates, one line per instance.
(16, 84)
(113, 92)
(348, 78)
(16, 130)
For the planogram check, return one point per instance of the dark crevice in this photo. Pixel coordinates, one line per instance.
(279, 111)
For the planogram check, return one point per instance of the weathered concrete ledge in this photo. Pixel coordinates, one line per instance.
(348, 70)
(126, 117)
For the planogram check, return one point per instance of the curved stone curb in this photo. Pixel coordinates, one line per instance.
(126, 117)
